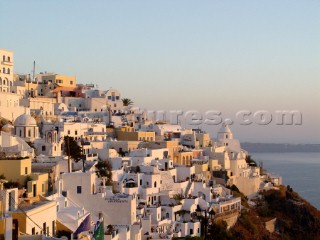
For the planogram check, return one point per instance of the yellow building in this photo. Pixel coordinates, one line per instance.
(60, 80)
(200, 166)
(25, 85)
(128, 134)
(15, 169)
(19, 170)
(214, 164)
(38, 185)
(203, 139)
(182, 157)
(6, 70)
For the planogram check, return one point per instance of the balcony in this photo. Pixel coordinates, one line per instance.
(91, 157)
(7, 63)
(227, 214)
(94, 133)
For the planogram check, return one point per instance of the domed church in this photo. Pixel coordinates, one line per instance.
(25, 126)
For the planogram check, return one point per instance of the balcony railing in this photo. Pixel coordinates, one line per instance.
(95, 133)
(229, 213)
(8, 63)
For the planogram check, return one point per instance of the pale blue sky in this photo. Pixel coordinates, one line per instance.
(203, 55)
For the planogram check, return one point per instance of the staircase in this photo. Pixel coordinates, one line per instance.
(167, 181)
(187, 189)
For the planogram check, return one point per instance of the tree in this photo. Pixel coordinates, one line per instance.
(219, 231)
(104, 169)
(178, 197)
(3, 122)
(27, 179)
(250, 161)
(72, 149)
(2, 155)
(127, 101)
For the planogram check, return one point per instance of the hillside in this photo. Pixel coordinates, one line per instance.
(295, 218)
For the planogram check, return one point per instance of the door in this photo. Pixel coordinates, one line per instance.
(34, 190)
(15, 229)
(10, 202)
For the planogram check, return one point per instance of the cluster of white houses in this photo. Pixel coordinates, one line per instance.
(161, 173)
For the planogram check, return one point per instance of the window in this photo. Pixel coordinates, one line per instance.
(109, 97)
(43, 148)
(226, 135)
(68, 131)
(42, 187)
(33, 231)
(191, 231)
(8, 71)
(75, 132)
(79, 190)
(29, 133)
(26, 170)
(155, 184)
(140, 182)
(71, 82)
(44, 228)
(8, 59)
(117, 97)
(53, 227)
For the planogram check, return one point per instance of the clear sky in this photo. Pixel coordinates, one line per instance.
(174, 54)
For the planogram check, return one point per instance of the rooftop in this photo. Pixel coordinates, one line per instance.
(26, 206)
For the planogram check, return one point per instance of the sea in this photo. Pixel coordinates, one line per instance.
(300, 170)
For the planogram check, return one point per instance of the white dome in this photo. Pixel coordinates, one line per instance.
(224, 129)
(25, 120)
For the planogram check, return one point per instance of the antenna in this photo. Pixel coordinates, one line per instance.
(33, 71)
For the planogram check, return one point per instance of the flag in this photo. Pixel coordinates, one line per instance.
(84, 226)
(98, 233)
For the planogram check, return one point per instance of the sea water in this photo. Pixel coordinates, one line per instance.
(300, 170)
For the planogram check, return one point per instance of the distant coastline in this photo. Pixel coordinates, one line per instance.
(279, 147)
